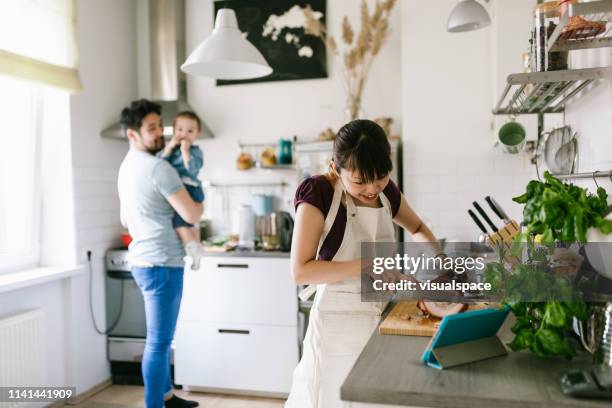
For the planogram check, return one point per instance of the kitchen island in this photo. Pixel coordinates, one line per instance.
(389, 373)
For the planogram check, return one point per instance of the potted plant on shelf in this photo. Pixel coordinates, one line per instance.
(358, 50)
(542, 296)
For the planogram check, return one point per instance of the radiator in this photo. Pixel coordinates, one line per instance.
(22, 360)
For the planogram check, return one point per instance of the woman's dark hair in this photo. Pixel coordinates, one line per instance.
(190, 115)
(362, 145)
(132, 116)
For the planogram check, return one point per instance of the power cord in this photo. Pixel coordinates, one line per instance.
(91, 311)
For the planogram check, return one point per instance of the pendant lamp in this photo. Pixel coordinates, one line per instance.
(226, 54)
(468, 15)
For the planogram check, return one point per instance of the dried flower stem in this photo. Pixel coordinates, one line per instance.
(360, 50)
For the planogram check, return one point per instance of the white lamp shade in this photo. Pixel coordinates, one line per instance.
(226, 54)
(468, 15)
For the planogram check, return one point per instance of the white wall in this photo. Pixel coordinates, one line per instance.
(266, 112)
(449, 88)
(76, 355)
(590, 114)
(107, 44)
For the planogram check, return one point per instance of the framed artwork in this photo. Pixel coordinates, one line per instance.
(276, 28)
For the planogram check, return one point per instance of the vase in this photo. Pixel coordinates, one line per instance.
(353, 109)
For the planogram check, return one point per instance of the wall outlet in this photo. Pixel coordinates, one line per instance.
(86, 254)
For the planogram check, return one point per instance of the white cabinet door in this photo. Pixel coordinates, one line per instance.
(236, 356)
(240, 290)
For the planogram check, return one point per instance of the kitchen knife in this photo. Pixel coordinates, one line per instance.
(484, 215)
(477, 221)
(497, 209)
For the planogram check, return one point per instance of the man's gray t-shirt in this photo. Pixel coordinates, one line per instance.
(145, 182)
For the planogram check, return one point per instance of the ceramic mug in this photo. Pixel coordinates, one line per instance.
(512, 137)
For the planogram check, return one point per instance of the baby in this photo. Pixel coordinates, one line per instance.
(187, 159)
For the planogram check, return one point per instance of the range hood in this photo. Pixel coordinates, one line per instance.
(161, 51)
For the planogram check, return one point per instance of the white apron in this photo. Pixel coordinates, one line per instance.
(340, 323)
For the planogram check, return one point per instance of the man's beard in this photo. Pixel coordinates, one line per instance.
(157, 146)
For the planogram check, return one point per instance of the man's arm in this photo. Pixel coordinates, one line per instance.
(184, 205)
(171, 187)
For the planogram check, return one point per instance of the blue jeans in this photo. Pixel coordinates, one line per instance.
(162, 289)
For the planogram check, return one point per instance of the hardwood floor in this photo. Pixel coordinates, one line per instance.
(132, 396)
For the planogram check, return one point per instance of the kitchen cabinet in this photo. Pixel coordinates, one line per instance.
(238, 326)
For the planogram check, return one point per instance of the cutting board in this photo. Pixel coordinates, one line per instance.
(405, 319)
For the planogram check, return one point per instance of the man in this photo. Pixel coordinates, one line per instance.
(150, 190)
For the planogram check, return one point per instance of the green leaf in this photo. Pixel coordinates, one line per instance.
(580, 227)
(578, 309)
(605, 226)
(548, 236)
(522, 322)
(551, 341)
(554, 315)
(567, 233)
(562, 290)
(518, 308)
(523, 340)
(522, 199)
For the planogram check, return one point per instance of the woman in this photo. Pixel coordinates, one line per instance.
(355, 202)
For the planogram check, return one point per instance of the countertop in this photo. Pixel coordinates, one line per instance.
(389, 371)
(248, 254)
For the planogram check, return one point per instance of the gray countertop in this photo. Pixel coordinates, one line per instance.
(248, 254)
(389, 371)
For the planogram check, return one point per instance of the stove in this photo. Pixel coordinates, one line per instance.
(125, 319)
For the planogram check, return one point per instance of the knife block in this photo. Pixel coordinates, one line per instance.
(504, 236)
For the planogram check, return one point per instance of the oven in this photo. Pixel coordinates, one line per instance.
(125, 319)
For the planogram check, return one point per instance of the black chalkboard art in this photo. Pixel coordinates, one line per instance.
(277, 29)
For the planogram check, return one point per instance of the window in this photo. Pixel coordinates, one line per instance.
(37, 50)
(20, 120)
(29, 115)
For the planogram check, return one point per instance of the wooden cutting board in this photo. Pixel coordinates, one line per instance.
(405, 319)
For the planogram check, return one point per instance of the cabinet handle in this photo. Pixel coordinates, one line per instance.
(243, 266)
(234, 331)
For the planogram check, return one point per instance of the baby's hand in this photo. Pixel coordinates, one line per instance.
(185, 152)
(174, 141)
(170, 146)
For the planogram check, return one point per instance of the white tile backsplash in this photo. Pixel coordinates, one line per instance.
(97, 209)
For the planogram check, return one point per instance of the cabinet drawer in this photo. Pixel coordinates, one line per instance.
(240, 290)
(236, 357)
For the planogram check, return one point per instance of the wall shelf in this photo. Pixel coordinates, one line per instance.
(546, 92)
(592, 11)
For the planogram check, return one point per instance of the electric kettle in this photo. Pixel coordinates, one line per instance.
(285, 231)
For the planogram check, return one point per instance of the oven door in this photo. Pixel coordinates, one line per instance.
(125, 311)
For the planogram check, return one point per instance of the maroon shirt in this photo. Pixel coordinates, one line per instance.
(319, 192)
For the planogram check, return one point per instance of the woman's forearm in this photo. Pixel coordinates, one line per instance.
(424, 234)
(314, 271)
